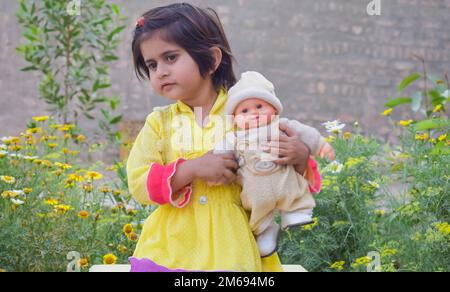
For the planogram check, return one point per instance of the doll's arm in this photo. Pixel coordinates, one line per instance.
(309, 135)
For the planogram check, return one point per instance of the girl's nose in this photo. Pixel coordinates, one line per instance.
(162, 71)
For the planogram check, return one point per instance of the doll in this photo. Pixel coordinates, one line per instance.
(267, 186)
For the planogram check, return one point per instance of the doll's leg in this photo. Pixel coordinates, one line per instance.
(267, 238)
(296, 207)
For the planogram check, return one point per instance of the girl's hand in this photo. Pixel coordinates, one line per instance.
(327, 150)
(291, 150)
(216, 169)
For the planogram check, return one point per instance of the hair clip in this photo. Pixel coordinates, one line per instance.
(140, 22)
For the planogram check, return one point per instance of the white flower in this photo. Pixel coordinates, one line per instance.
(4, 153)
(14, 155)
(334, 126)
(7, 139)
(3, 147)
(334, 167)
(30, 158)
(17, 202)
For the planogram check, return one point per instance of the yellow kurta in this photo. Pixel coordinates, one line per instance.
(212, 231)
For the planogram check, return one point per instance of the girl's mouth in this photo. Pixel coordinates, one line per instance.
(167, 85)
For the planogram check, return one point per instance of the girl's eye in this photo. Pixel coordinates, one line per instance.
(171, 58)
(259, 106)
(244, 111)
(151, 66)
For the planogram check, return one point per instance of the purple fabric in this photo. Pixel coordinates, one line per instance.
(146, 265)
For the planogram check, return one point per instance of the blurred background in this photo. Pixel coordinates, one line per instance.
(328, 59)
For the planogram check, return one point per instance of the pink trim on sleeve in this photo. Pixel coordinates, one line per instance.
(158, 185)
(313, 176)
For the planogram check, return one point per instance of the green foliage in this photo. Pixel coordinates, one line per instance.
(72, 48)
(40, 207)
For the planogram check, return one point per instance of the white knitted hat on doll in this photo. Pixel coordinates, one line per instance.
(252, 85)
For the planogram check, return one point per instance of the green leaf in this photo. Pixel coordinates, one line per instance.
(115, 8)
(108, 58)
(114, 32)
(29, 68)
(431, 124)
(416, 101)
(408, 80)
(115, 120)
(398, 101)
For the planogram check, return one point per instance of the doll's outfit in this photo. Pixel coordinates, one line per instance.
(267, 186)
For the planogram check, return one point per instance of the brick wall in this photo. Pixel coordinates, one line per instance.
(327, 58)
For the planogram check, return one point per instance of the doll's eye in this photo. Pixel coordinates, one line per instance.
(259, 106)
(244, 111)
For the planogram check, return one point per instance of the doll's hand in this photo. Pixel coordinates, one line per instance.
(327, 150)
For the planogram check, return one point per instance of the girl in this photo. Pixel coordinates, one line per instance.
(184, 52)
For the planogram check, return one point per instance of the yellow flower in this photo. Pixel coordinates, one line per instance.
(338, 265)
(66, 127)
(312, 225)
(379, 212)
(443, 228)
(432, 140)
(87, 187)
(117, 192)
(84, 262)
(405, 123)
(109, 259)
(83, 214)
(81, 138)
(437, 108)
(122, 248)
(346, 135)
(387, 112)
(128, 229)
(93, 175)
(75, 177)
(15, 148)
(133, 236)
(422, 137)
(67, 136)
(105, 189)
(11, 194)
(63, 166)
(2, 270)
(352, 161)
(34, 131)
(3, 153)
(47, 163)
(52, 145)
(27, 190)
(62, 209)
(388, 252)
(8, 179)
(51, 202)
(362, 261)
(41, 118)
(442, 138)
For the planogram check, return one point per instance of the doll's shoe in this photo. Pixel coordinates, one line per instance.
(291, 219)
(268, 240)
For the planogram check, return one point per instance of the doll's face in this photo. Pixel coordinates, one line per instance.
(253, 113)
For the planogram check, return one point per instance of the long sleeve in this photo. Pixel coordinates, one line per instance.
(148, 177)
(312, 175)
(309, 135)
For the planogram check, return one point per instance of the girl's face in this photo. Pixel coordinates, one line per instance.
(173, 72)
(253, 113)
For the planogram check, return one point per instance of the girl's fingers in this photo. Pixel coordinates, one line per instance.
(229, 176)
(231, 164)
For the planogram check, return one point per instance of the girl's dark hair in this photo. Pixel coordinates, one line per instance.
(194, 29)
